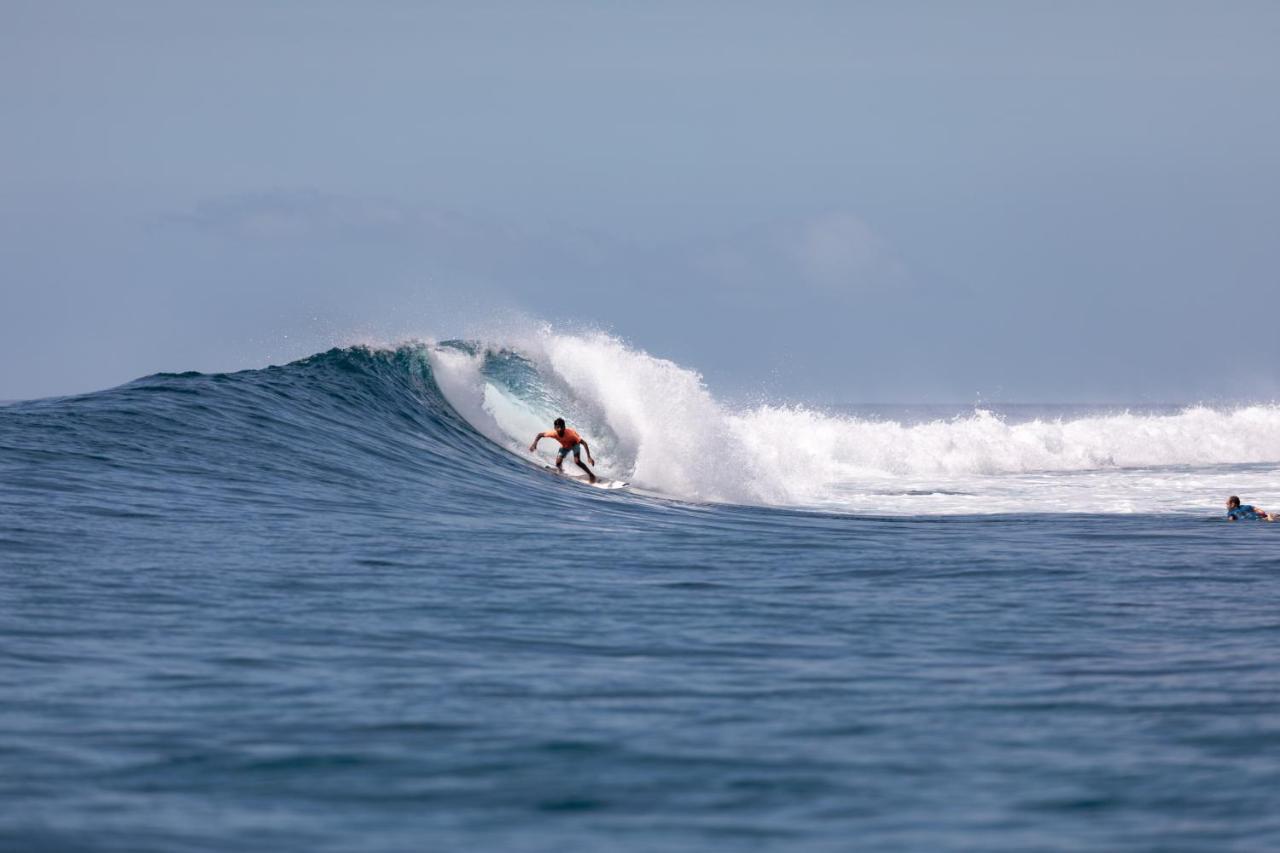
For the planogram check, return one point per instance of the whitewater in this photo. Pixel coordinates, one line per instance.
(337, 605)
(656, 424)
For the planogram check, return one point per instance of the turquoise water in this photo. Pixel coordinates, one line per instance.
(312, 608)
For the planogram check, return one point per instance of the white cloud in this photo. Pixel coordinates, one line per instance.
(838, 251)
(301, 214)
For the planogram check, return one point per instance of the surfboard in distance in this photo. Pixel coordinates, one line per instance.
(600, 483)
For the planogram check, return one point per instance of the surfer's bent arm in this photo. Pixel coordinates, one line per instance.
(536, 439)
(587, 448)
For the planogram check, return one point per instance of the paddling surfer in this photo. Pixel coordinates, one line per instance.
(570, 442)
(1238, 512)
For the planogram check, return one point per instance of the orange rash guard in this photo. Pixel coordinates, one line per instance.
(567, 441)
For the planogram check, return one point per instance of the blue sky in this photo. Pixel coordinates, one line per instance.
(833, 202)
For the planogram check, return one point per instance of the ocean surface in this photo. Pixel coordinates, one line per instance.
(337, 605)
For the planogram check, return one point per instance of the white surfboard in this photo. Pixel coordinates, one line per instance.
(600, 483)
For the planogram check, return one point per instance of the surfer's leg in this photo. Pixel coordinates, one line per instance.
(578, 461)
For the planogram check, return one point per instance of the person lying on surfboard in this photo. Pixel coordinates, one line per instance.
(1238, 512)
(570, 442)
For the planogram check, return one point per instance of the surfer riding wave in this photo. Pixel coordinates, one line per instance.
(570, 442)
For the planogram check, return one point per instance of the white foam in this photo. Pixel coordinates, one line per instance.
(457, 374)
(654, 423)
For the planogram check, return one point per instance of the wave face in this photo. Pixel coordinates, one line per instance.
(450, 423)
(358, 432)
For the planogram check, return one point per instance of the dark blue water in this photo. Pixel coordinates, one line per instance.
(309, 608)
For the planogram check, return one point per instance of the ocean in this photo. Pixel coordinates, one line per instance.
(337, 605)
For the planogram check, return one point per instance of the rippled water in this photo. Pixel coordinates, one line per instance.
(309, 608)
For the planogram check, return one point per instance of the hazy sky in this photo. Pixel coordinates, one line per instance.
(834, 202)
